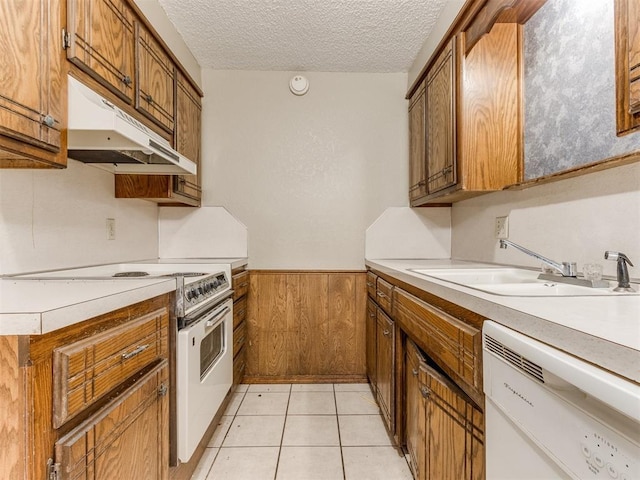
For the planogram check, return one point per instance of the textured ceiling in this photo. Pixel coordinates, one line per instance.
(305, 35)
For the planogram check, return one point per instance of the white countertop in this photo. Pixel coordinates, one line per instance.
(29, 307)
(32, 307)
(604, 330)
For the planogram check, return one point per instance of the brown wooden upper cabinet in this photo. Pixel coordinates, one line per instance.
(33, 91)
(627, 27)
(101, 43)
(155, 80)
(471, 134)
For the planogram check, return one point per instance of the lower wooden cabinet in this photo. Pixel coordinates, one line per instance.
(444, 428)
(385, 365)
(129, 438)
(90, 400)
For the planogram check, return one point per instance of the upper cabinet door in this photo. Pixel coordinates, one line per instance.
(417, 138)
(33, 98)
(627, 35)
(441, 122)
(188, 135)
(155, 81)
(101, 39)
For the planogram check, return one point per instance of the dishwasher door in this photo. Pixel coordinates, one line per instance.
(550, 415)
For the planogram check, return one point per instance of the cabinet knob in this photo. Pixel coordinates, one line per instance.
(126, 80)
(425, 391)
(48, 120)
(386, 333)
(162, 390)
(149, 99)
(415, 372)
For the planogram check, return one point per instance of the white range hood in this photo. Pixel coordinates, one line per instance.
(103, 135)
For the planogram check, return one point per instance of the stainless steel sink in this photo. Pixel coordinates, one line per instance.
(513, 282)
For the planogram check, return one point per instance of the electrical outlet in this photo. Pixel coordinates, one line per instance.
(111, 228)
(502, 227)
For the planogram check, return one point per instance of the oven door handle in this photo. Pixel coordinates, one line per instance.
(211, 319)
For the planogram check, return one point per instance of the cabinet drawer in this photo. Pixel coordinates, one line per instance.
(384, 292)
(85, 371)
(453, 345)
(371, 284)
(239, 337)
(240, 284)
(239, 311)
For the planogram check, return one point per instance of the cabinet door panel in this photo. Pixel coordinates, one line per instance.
(417, 138)
(415, 415)
(633, 22)
(155, 80)
(446, 419)
(371, 329)
(32, 83)
(188, 135)
(441, 122)
(128, 439)
(385, 367)
(101, 42)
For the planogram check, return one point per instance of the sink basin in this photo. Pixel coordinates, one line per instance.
(491, 276)
(513, 282)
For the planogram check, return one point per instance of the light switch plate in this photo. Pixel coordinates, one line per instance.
(111, 228)
(502, 227)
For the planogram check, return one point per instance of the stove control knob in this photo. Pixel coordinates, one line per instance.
(189, 295)
(195, 292)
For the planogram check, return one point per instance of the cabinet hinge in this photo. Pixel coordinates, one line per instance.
(66, 39)
(53, 470)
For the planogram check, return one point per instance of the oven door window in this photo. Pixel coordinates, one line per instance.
(211, 348)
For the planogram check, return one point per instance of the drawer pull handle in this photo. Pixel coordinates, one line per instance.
(162, 390)
(425, 392)
(133, 353)
(369, 284)
(240, 340)
(49, 121)
(415, 372)
(126, 80)
(372, 315)
(386, 333)
(380, 294)
(242, 285)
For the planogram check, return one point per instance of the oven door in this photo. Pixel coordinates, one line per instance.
(204, 374)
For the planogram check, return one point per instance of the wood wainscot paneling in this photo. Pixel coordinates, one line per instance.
(306, 326)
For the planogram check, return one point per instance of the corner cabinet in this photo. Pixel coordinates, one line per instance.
(89, 400)
(33, 94)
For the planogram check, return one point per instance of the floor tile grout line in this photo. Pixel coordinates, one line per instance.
(335, 399)
(284, 426)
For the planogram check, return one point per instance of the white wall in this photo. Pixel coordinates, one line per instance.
(447, 16)
(571, 220)
(306, 175)
(57, 219)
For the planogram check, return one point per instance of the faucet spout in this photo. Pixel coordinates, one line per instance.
(566, 269)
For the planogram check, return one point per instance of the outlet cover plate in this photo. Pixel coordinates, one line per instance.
(502, 227)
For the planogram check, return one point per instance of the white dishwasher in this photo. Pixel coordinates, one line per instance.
(550, 415)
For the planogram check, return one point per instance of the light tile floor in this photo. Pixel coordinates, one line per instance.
(302, 432)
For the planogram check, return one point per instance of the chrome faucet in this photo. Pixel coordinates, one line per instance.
(567, 269)
(622, 271)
